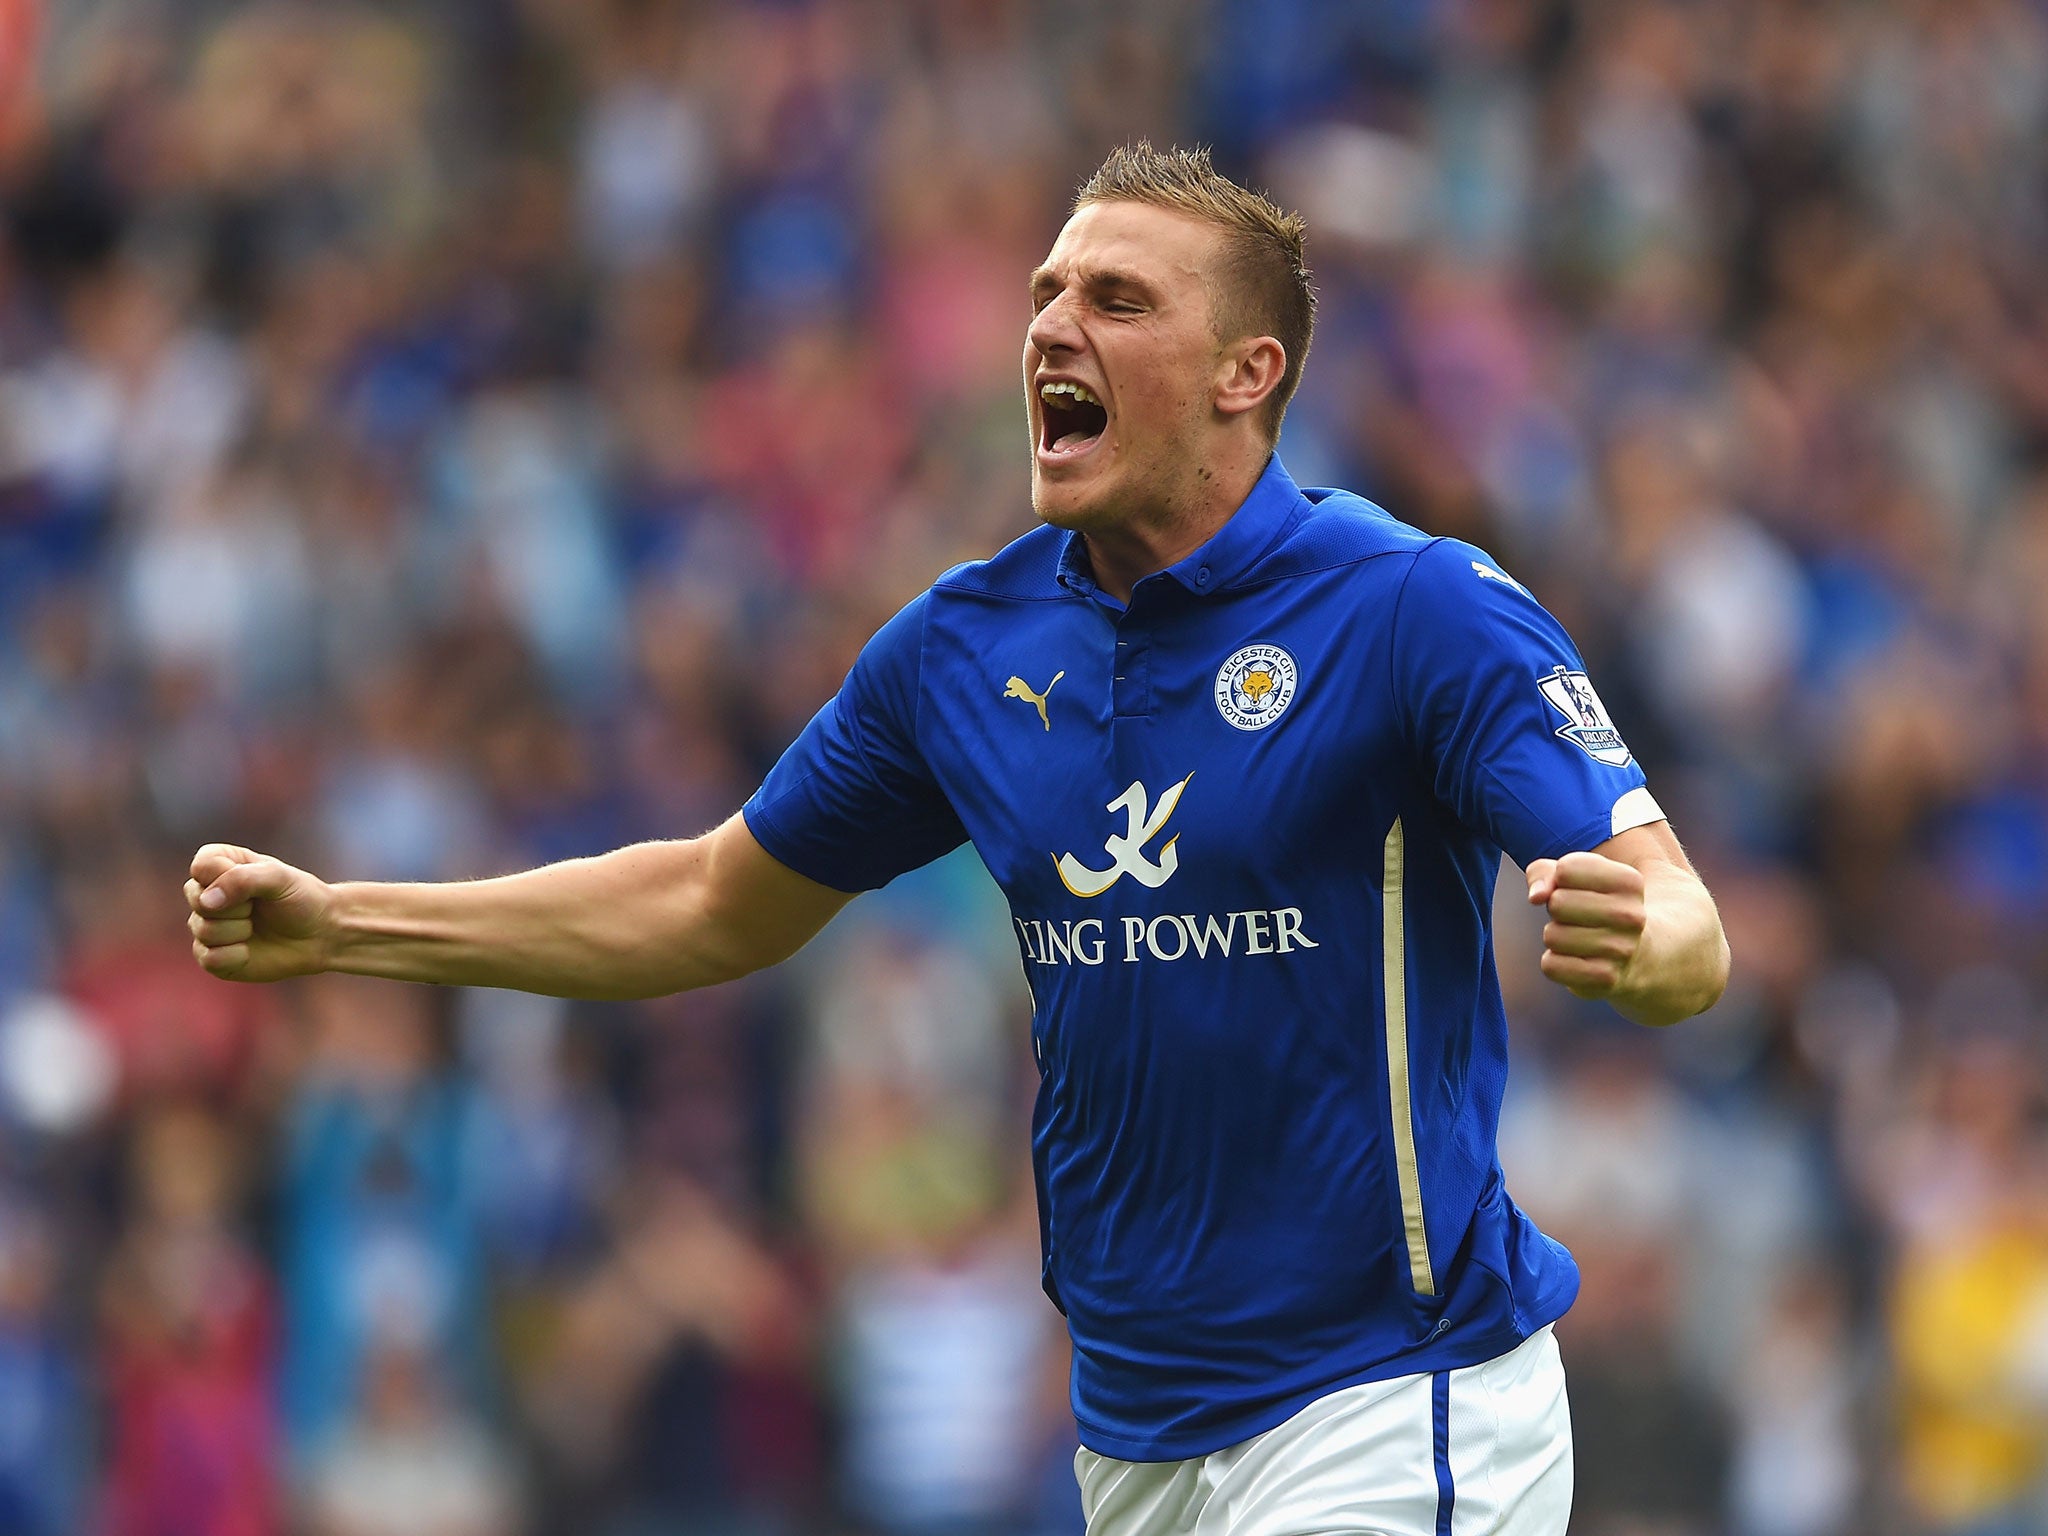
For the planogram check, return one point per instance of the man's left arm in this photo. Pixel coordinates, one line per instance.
(1632, 923)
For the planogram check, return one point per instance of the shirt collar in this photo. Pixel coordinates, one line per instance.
(1232, 550)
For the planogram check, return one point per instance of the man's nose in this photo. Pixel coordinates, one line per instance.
(1053, 328)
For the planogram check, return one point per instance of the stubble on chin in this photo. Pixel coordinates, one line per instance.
(1074, 513)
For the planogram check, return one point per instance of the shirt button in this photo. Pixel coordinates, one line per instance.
(1202, 577)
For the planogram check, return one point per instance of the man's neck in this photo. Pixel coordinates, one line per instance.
(1152, 540)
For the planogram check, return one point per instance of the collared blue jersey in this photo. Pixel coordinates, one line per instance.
(1249, 826)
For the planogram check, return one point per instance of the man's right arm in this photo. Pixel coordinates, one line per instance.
(641, 921)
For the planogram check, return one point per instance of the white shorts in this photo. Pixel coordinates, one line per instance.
(1483, 1451)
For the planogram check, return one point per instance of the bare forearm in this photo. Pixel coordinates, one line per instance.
(631, 923)
(639, 922)
(1681, 965)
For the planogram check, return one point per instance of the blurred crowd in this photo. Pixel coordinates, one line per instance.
(441, 437)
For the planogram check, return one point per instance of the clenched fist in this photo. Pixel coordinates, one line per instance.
(255, 918)
(1597, 914)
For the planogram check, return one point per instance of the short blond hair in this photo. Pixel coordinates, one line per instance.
(1265, 288)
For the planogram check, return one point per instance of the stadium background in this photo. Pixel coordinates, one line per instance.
(436, 438)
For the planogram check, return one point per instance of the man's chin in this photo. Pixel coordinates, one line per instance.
(1068, 506)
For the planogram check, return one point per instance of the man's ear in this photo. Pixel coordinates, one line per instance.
(1250, 371)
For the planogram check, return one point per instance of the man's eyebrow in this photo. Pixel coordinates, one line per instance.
(1098, 278)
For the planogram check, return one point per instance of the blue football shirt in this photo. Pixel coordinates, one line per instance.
(1249, 826)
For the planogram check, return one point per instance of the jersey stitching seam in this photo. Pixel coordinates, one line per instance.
(924, 761)
(924, 629)
(1288, 524)
(1393, 648)
(777, 835)
(1317, 570)
(1061, 596)
(856, 733)
(949, 581)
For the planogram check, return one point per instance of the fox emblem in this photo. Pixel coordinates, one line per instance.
(1017, 688)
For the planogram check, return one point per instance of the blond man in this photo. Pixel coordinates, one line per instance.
(1244, 759)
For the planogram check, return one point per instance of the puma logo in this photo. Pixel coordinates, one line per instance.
(1017, 688)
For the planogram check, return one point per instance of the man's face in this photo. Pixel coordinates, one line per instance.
(1120, 363)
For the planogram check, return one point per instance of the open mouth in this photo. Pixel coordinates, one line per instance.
(1071, 419)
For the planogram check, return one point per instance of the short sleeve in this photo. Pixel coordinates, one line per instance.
(852, 804)
(1501, 714)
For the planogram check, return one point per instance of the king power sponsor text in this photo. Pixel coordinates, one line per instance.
(1168, 937)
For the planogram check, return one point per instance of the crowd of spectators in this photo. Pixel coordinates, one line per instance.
(441, 437)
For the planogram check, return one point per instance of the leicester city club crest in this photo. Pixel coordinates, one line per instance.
(1254, 687)
(1586, 725)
